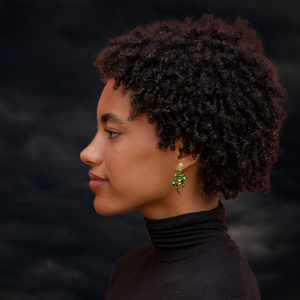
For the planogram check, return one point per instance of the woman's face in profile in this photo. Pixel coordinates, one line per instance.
(138, 173)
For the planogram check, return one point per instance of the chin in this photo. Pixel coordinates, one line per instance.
(104, 209)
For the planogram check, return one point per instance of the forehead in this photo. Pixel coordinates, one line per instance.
(113, 104)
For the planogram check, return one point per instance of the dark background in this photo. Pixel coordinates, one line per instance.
(53, 245)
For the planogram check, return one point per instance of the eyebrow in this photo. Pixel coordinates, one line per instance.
(112, 118)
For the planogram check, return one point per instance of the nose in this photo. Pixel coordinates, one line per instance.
(91, 155)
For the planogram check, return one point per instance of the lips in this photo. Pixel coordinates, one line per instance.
(94, 177)
(96, 181)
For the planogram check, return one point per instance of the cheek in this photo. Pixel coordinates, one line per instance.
(159, 175)
(119, 160)
(138, 166)
(150, 172)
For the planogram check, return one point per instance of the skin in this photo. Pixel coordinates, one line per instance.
(139, 174)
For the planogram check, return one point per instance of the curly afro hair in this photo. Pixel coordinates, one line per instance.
(209, 83)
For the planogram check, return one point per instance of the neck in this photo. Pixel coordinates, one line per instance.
(176, 205)
(182, 236)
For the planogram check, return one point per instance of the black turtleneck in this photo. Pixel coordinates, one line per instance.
(190, 257)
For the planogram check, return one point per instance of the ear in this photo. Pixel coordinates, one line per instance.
(187, 160)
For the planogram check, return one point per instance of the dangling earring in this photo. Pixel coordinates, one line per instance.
(180, 180)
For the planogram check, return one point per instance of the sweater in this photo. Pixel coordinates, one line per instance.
(191, 256)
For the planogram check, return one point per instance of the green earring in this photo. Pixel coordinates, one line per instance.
(180, 180)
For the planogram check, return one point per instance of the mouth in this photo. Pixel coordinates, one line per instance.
(96, 181)
(94, 177)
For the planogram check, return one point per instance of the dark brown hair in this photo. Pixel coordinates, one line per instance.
(209, 83)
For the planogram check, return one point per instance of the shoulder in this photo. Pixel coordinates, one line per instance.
(135, 254)
(228, 275)
(131, 259)
(225, 262)
(127, 263)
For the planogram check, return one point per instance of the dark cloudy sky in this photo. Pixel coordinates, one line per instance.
(53, 245)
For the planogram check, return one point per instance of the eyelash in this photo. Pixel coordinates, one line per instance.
(111, 133)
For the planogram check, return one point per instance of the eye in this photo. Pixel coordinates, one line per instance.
(111, 132)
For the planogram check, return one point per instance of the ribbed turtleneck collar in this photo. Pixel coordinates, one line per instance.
(182, 236)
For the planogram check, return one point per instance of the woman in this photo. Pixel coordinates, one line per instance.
(188, 113)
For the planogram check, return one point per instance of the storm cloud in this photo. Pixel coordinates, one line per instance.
(53, 245)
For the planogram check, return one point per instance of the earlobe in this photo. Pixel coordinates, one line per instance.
(187, 159)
